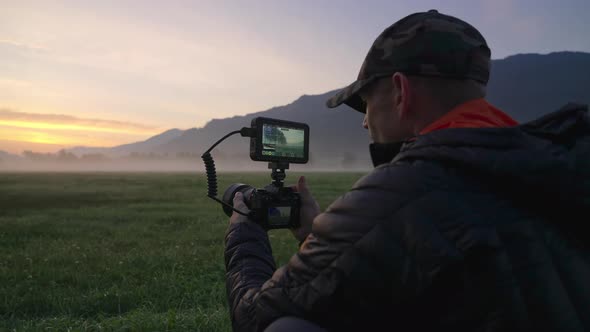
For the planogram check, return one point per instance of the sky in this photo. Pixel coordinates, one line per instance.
(104, 73)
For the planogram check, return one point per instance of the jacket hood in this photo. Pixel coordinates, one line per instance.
(546, 159)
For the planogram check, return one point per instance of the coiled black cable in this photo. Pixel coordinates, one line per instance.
(212, 174)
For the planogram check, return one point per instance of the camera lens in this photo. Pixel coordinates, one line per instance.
(230, 192)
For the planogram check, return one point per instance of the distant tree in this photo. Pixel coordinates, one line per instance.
(93, 157)
(219, 155)
(137, 155)
(310, 158)
(35, 156)
(65, 156)
(348, 159)
(187, 155)
(273, 134)
(28, 154)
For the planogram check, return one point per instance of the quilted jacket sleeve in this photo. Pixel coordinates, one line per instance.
(248, 263)
(335, 264)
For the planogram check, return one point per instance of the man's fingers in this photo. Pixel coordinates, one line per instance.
(302, 186)
(304, 192)
(239, 202)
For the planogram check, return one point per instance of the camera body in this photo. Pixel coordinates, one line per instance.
(278, 142)
(272, 207)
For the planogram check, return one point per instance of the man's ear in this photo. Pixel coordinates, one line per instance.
(402, 93)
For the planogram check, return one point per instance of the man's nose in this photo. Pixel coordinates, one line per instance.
(365, 122)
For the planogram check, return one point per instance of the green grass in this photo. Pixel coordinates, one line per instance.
(122, 252)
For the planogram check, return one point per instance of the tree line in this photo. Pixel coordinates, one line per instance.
(66, 156)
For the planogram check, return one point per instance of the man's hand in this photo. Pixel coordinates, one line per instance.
(309, 210)
(240, 206)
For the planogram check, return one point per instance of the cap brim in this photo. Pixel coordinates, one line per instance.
(350, 97)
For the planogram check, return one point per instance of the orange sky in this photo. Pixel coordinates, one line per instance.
(49, 132)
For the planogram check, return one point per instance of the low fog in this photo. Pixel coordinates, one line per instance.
(195, 165)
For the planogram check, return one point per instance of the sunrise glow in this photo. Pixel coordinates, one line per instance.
(48, 132)
(54, 126)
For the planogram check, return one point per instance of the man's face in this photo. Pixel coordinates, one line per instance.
(382, 117)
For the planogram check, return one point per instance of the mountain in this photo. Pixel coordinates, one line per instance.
(148, 145)
(526, 86)
(138, 147)
(529, 85)
(331, 131)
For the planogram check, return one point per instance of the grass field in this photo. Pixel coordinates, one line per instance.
(122, 252)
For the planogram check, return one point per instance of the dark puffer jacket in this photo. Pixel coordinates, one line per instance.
(465, 230)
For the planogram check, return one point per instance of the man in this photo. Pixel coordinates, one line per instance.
(470, 222)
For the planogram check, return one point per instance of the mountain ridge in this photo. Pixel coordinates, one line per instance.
(526, 86)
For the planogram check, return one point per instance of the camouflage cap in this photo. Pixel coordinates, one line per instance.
(422, 44)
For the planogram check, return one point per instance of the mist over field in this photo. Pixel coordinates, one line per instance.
(195, 166)
(109, 166)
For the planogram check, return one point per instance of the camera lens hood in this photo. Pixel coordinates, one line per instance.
(230, 192)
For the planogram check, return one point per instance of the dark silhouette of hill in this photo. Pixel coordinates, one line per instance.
(336, 136)
(526, 86)
(149, 144)
(137, 147)
(529, 85)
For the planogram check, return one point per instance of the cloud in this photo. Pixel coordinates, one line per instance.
(29, 47)
(47, 132)
(70, 123)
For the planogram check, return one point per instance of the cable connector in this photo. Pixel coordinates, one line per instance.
(248, 132)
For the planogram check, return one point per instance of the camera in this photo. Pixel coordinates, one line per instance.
(272, 207)
(278, 142)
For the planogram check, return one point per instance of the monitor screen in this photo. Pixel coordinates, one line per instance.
(281, 141)
(279, 215)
